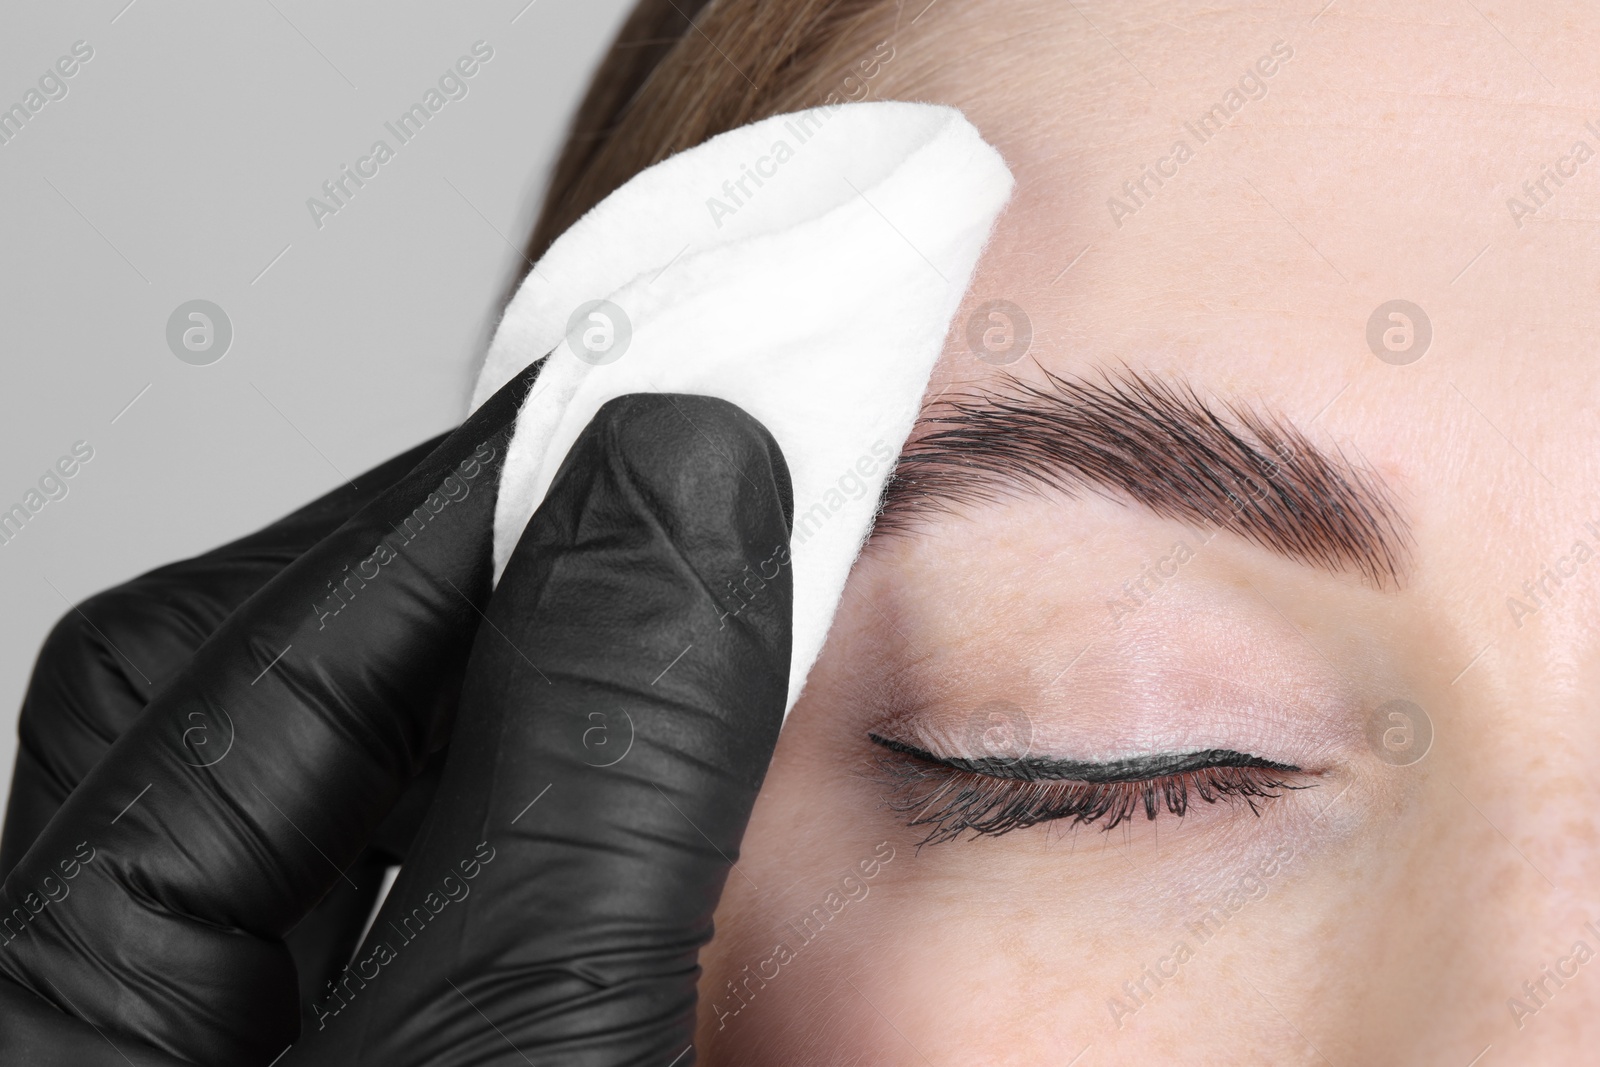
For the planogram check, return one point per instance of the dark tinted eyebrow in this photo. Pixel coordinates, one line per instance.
(1158, 443)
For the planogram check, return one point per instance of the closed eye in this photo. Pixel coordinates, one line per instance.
(949, 796)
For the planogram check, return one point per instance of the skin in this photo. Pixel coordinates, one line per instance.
(1415, 900)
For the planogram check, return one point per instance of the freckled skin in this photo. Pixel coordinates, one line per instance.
(1419, 898)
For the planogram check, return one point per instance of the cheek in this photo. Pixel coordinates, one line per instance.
(802, 841)
(928, 964)
(932, 967)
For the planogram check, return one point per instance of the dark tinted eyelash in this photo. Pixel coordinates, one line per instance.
(948, 797)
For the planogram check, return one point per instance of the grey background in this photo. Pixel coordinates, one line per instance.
(178, 167)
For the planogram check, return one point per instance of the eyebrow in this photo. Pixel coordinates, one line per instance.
(1158, 443)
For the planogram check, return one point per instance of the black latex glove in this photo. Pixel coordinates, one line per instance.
(106, 658)
(618, 716)
(176, 882)
(150, 913)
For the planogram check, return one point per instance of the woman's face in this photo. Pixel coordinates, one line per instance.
(1395, 596)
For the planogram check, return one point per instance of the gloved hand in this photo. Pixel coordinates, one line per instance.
(155, 902)
(107, 657)
(618, 716)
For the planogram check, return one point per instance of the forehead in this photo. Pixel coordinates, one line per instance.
(1192, 201)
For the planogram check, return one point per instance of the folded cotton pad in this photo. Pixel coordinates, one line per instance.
(806, 268)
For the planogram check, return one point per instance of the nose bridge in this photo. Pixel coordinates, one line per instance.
(1519, 725)
(1529, 746)
(1532, 723)
(1515, 788)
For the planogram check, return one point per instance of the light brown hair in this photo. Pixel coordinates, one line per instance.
(682, 71)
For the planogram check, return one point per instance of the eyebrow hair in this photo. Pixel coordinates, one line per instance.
(1156, 442)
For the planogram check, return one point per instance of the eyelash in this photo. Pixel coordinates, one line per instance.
(950, 801)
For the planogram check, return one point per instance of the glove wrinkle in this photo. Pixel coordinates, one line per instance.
(315, 713)
(84, 693)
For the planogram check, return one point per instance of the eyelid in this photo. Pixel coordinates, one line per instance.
(995, 800)
(1133, 769)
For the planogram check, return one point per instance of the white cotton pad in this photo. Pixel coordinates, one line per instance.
(806, 268)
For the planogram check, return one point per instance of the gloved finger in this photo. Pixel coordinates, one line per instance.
(106, 657)
(154, 903)
(619, 713)
(323, 942)
(39, 1034)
